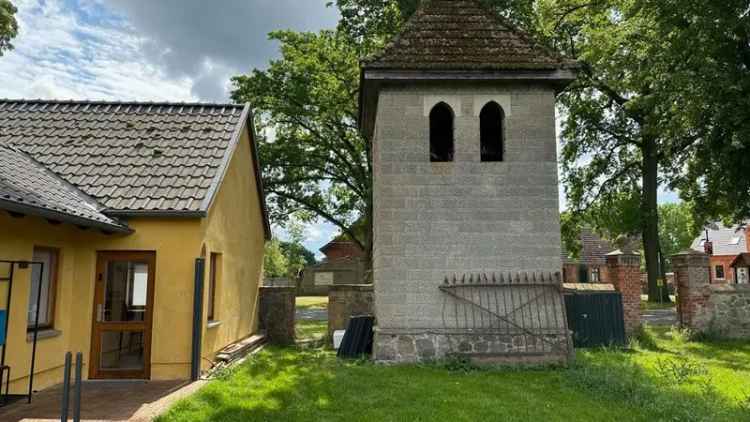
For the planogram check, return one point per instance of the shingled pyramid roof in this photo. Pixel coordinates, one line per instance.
(463, 35)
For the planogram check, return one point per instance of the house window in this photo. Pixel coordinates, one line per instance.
(49, 257)
(595, 275)
(441, 133)
(214, 276)
(719, 271)
(491, 132)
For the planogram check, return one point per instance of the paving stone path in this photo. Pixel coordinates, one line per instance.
(659, 316)
(312, 314)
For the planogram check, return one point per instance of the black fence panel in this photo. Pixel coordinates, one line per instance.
(596, 319)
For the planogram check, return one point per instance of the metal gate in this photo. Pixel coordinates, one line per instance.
(527, 309)
(596, 318)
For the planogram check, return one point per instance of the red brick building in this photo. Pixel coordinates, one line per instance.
(591, 265)
(341, 249)
(723, 245)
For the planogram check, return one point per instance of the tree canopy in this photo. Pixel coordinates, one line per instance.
(8, 25)
(662, 100)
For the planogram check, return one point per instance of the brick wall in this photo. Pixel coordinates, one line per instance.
(725, 261)
(342, 249)
(718, 309)
(624, 272)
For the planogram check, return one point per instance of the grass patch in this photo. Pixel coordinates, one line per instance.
(673, 379)
(306, 329)
(312, 302)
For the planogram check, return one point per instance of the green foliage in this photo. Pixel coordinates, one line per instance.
(315, 165)
(677, 229)
(8, 25)
(275, 263)
(705, 86)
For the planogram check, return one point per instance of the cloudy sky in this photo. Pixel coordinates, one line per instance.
(176, 50)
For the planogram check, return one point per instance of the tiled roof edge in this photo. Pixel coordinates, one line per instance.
(120, 226)
(219, 178)
(44, 212)
(245, 122)
(115, 102)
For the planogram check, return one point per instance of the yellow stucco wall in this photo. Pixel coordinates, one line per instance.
(233, 228)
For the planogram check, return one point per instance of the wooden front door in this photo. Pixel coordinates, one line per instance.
(123, 309)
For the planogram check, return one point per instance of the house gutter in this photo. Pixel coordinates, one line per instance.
(195, 355)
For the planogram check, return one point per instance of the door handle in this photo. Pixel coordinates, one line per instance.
(99, 313)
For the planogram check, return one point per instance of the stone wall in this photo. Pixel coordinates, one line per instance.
(717, 309)
(347, 300)
(347, 270)
(624, 270)
(277, 309)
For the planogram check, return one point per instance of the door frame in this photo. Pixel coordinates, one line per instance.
(102, 257)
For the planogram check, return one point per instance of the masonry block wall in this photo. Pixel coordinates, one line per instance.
(718, 309)
(346, 301)
(436, 219)
(625, 274)
(277, 312)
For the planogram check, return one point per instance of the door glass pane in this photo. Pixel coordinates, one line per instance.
(125, 291)
(122, 350)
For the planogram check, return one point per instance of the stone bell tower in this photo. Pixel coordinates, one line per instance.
(460, 108)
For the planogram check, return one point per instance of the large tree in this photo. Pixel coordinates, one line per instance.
(708, 83)
(315, 163)
(8, 25)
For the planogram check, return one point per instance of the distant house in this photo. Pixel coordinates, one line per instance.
(725, 247)
(113, 211)
(344, 263)
(591, 264)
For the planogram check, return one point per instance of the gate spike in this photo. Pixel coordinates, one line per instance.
(494, 279)
(533, 277)
(557, 277)
(525, 277)
(446, 280)
(486, 279)
(463, 278)
(518, 278)
(471, 278)
(454, 278)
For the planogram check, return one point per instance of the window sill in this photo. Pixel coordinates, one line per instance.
(213, 324)
(43, 334)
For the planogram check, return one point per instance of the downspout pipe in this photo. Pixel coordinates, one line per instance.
(195, 362)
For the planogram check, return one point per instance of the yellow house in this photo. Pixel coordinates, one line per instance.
(112, 216)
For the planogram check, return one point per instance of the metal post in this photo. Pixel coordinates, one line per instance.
(36, 329)
(7, 311)
(66, 388)
(77, 392)
(195, 363)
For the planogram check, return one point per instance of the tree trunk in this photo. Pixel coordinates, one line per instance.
(649, 215)
(664, 291)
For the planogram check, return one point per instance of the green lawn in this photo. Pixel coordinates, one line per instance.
(310, 329)
(665, 378)
(312, 302)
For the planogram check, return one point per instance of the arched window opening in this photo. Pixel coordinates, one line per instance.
(492, 132)
(441, 133)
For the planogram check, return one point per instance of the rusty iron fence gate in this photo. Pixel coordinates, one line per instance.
(526, 311)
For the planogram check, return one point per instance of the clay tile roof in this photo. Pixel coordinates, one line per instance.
(132, 157)
(28, 187)
(593, 249)
(463, 35)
